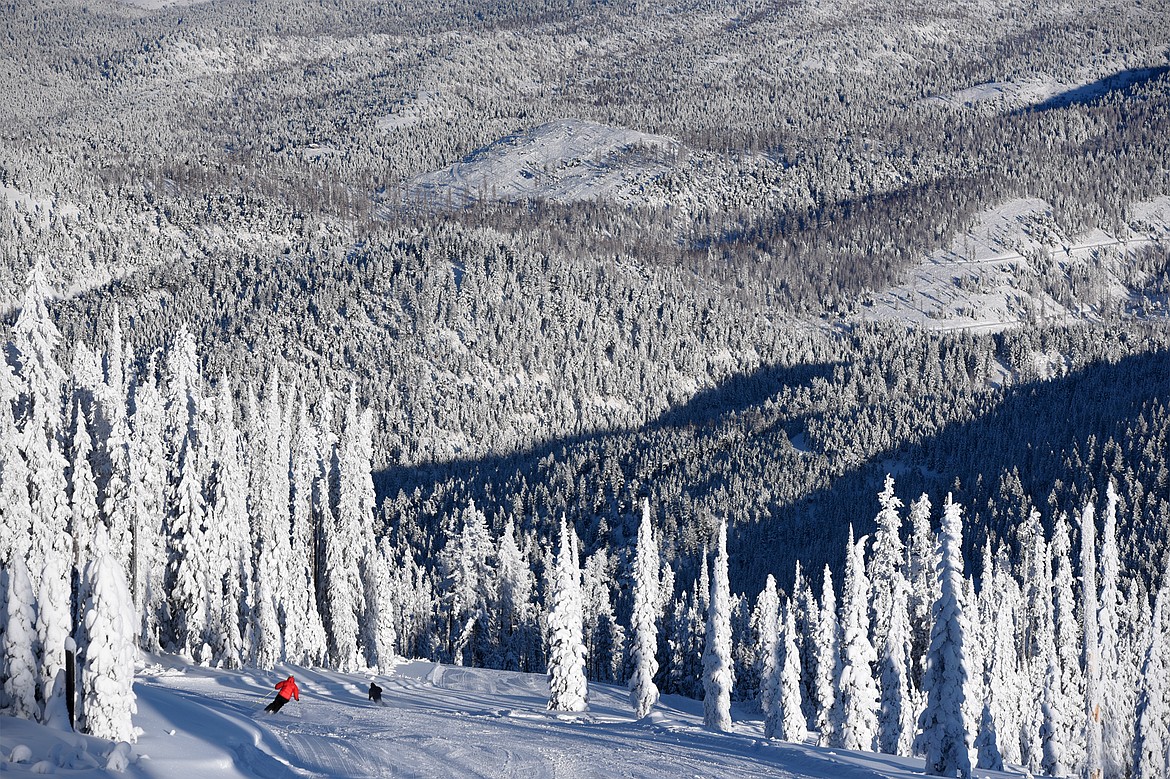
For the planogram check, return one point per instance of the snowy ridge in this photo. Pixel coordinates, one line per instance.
(989, 278)
(438, 721)
(567, 160)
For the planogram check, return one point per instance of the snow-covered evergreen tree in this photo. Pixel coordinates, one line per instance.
(53, 613)
(987, 742)
(771, 650)
(792, 723)
(858, 691)
(187, 554)
(1052, 731)
(807, 616)
(828, 644)
(16, 514)
(943, 730)
(644, 619)
(516, 608)
(718, 673)
(106, 648)
(83, 492)
(305, 465)
(1094, 764)
(923, 580)
(1151, 745)
(884, 568)
(380, 630)
(148, 469)
(1118, 685)
(345, 594)
(18, 641)
(227, 510)
(896, 715)
(35, 337)
(1069, 697)
(568, 688)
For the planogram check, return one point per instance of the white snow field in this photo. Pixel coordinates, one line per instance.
(438, 722)
(988, 278)
(565, 161)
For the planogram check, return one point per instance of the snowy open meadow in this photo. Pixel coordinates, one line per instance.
(438, 721)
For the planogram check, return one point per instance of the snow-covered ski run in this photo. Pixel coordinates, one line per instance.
(438, 721)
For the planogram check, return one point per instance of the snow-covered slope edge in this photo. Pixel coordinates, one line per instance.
(438, 721)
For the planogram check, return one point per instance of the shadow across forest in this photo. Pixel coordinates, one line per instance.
(1122, 81)
(735, 395)
(1031, 429)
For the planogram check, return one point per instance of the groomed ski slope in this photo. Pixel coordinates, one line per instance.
(437, 721)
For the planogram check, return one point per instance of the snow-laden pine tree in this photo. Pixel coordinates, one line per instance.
(896, 715)
(112, 396)
(106, 647)
(771, 652)
(83, 492)
(35, 337)
(1151, 745)
(943, 729)
(858, 691)
(467, 583)
(764, 631)
(54, 612)
(305, 465)
(987, 742)
(1094, 764)
(567, 686)
(380, 630)
(345, 594)
(807, 616)
(187, 558)
(227, 511)
(1120, 682)
(1038, 633)
(792, 723)
(644, 619)
(147, 497)
(886, 563)
(18, 641)
(518, 635)
(1069, 697)
(1003, 684)
(828, 643)
(605, 639)
(49, 501)
(1052, 732)
(923, 580)
(16, 514)
(718, 673)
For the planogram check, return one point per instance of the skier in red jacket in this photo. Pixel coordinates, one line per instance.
(284, 690)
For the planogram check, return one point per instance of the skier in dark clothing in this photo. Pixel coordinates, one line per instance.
(375, 693)
(284, 690)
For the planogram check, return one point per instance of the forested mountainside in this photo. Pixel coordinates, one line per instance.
(347, 315)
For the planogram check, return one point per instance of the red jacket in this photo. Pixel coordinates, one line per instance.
(288, 689)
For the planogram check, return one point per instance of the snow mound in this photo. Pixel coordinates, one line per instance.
(567, 160)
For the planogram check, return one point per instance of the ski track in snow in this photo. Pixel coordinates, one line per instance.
(437, 722)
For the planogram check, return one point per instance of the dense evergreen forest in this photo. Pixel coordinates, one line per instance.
(256, 358)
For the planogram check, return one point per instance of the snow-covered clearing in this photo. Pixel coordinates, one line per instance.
(988, 278)
(1003, 95)
(438, 721)
(567, 160)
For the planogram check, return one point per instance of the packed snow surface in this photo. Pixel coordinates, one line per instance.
(567, 160)
(438, 721)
